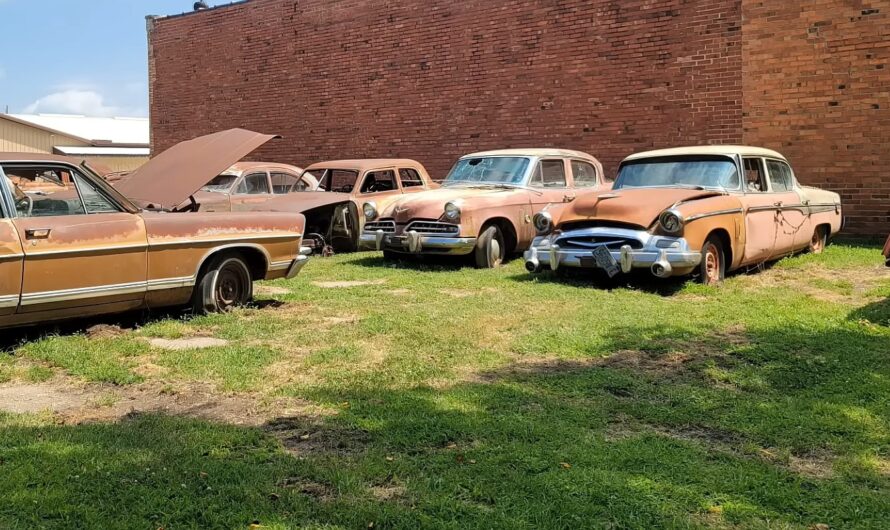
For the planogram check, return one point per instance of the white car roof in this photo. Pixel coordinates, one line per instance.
(709, 150)
(538, 152)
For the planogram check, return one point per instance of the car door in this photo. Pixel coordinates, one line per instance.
(795, 224)
(252, 191)
(11, 255)
(551, 186)
(762, 238)
(80, 247)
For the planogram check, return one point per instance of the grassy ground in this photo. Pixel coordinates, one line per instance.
(442, 397)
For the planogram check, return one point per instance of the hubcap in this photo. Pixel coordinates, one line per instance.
(712, 265)
(495, 255)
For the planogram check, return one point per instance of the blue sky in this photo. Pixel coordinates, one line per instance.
(77, 56)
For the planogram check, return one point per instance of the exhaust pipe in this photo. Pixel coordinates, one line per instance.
(662, 268)
(532, 263)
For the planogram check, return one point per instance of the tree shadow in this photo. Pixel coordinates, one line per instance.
(597, 279)
(876, 313)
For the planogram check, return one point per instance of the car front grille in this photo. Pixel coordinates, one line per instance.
(433, 227)
(592, 242)
(388, 227)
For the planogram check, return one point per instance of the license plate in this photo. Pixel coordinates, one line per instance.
(605, 261)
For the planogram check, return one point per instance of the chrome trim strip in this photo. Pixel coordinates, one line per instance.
(9, 301)
(764, 208)
(91, 250)
(9, 257)
(49, 297)
(226, 241)
(171, 283)
(280, 265)
(713, 214)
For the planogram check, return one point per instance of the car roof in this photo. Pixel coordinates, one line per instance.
(534, 151)
(243, 167)
(365, 164)
(38, 157)
(709, 150)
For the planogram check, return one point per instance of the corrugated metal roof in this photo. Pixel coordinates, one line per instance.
(119, 131)
(103, 151)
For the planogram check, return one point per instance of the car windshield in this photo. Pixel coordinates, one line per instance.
(221, 183)
(717, 172)
(492, 170)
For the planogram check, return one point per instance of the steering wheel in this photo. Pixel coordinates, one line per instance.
(25, 199)
(375, 187)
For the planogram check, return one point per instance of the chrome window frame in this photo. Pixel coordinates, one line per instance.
(599, 179)
(7, 204)
(67, 167)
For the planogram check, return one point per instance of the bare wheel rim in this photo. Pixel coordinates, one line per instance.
(817, 244)
(230, 287)
(495, 252)
(712, 264)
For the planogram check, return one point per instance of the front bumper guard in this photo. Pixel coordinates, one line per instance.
(661, 255)
(299, 263)
(415, 243)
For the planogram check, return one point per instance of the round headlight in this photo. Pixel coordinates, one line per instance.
(671, 221)
(370, 211)
(543, 223)
(452, 211)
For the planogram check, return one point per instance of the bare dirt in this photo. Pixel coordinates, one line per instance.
(193, 343)
(348, 285)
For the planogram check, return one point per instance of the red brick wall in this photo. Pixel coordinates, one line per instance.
(816, 82)
(436, 79)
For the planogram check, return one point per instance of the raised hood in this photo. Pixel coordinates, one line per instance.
(636, 206)
(169, 179)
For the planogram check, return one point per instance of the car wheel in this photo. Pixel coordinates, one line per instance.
(490, 249)
(712, 269)
(818, 241)
(226, 284)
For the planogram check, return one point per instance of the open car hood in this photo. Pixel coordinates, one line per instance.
(169, 179)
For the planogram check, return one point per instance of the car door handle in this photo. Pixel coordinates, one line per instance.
(778, 204)
(37, 233)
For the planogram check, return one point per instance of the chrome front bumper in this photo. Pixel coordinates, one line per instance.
(299, 263)
(661, 255)
(416, 243)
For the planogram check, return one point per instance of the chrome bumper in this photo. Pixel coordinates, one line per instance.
(661, 255)
(415, 243)
(299, 263)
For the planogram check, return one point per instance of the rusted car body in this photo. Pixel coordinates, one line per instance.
(72, 246)
(887, 251)
(698, 210)
(485, 206)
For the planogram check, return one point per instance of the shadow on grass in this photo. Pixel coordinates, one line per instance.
(876, 313)
(423, 263)
(671, 431)
(594, 278)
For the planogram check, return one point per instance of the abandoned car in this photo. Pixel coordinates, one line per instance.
(698, 210)
(887, 251)
(72, 246)
(485, 206)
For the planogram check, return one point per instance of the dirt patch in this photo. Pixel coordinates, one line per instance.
(386, 493)
(457, 293)
(269, 290)
(848, 286)
(303, 436)
(341, 320)
(348, 285)
(34, 398)
(104, 331)
(818, 466)
(194, 343)
(400, 292)
(316, 490)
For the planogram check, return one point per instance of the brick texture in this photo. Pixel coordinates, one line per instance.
(816, 82)
(436, 79)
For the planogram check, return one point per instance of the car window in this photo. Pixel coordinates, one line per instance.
(49, 191)
(336, 180)
(584, 174)
(754, 177)
(254, 184)
(283, 183)
(378, 181)
(550, 174)
(410, 178)
(779, 176)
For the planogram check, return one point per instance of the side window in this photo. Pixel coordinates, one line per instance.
(754, 177)
(377, 181)
(93, 199)
(550, 174)
(584, 174)
(254, 184)
(779, 176)
(339, 180)
(283, 183)
(43, 191)
(410, 178)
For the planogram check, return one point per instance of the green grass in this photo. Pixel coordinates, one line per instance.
(488, 399)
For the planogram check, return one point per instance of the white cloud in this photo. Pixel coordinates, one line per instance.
(78, 101)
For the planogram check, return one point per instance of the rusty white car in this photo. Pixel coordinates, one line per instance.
(485, 206)
(699, 211)
(73, 246)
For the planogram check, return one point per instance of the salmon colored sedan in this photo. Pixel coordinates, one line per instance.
(698, 211)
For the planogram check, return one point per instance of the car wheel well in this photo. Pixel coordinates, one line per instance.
(507, 230)
(727, 245)
(255, 260)
(826, 230)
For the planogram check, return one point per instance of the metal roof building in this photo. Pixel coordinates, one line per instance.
(120, 144)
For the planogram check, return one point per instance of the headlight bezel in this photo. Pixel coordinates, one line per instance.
(370, 207)
(671, 222)
(452, 210)
(543, 223)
